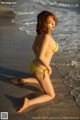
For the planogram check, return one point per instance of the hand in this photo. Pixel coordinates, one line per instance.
(50, 71)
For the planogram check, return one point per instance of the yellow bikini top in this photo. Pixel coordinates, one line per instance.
(55, 50)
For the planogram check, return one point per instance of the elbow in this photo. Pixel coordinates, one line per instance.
(41, 58)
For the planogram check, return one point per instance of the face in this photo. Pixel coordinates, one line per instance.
(50, 23)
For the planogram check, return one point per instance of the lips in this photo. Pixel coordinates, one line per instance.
(52, 27)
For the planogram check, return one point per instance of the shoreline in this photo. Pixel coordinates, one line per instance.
(15, 56)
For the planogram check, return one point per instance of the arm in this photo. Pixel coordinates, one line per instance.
(42, 57)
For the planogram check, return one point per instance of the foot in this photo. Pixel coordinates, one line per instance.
(25, 105)
(17, 81)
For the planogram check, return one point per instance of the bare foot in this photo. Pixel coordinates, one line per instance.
(17, 81)
(25, 105)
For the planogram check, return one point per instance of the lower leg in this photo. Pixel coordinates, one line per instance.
(25, 80)
(30, 80)
(40, 99)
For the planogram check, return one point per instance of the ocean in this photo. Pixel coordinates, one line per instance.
(67, 34)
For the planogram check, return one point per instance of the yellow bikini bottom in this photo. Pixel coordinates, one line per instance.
(37, 70)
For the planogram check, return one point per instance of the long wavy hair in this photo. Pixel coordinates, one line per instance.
(42, 20)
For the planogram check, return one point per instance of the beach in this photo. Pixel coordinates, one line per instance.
(15, 57)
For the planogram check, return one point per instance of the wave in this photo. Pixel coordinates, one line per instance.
(8, 3)
(62, 3)
(24, 20)
(71, 77)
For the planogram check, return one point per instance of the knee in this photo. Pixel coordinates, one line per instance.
(52, 95)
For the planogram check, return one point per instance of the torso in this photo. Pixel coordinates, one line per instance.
(50, 49)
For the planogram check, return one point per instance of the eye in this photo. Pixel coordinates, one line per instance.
(51, 23)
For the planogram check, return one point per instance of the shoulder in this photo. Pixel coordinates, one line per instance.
(47, 38)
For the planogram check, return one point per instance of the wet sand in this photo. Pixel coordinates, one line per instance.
(15, 56)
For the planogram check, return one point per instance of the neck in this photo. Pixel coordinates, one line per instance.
(49, 32)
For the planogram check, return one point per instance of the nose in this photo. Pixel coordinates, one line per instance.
(53, 24)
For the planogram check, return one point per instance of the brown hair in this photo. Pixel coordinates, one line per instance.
(42, 20)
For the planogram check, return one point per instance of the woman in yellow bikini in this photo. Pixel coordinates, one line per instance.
(44, 47)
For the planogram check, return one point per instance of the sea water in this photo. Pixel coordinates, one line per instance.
(67, 34)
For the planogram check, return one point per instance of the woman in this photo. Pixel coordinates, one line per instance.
(44, 47)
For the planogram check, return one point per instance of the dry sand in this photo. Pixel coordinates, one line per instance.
(15, 56)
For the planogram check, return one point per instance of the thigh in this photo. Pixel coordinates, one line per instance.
(46, 84)
(39, 74)
(30, 80)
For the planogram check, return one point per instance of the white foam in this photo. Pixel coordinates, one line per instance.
(74, 63)
(33, 33)
(9, 3)
(27, 27)
(76, 93)
(25, 12)
(31, 23)
(24, 20)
